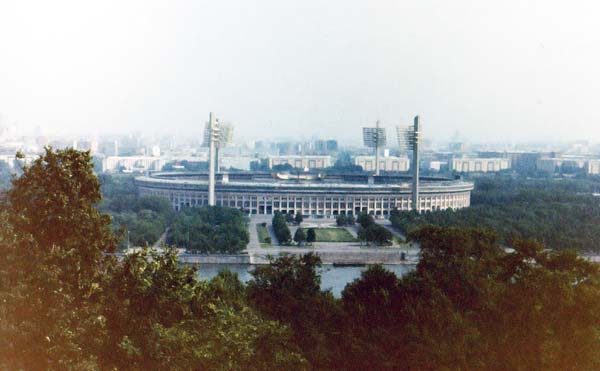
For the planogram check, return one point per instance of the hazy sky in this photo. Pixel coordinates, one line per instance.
(492, 70)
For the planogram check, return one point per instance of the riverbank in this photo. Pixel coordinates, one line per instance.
(351, 257)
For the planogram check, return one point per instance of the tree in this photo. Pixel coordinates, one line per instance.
(299, 218)
(281, 229)
(373, 303)
(345, 164)
(65, 303)
(299, 236)
(209, 229)
(362, 235)
(378, 234)
(161, 317)
(340, 220)
(350, 220)
(560, 213)
(53, 256)
(311, 235)
(487, 306)
(365, 220)
(289, 218)
(288, 290)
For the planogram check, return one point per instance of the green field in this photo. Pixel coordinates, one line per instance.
(263, 234)
(333, 235)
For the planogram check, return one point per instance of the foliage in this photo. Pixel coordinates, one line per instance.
(298, 219)
(282, 231)
(471, 305)
(299, 236)
(311, 235)
(343, 219)
(344, 164)
(162, 317)
(53, 265)
(558, 213)
(66, 304)
(340, 220)
(141, 220)
(371, 232)
(365, 220)
(289, 218)
(288, 290)
(209, 229)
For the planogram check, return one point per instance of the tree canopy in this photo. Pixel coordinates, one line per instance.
(471, 303)
(559, 213)
(67, 304)
(209, 230)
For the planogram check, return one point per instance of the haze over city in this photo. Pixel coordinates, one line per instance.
(501, 71)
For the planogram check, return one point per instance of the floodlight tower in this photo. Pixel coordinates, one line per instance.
(213, 128)
(415, 185)
(374, 138)
(409, 139)
(224, 139)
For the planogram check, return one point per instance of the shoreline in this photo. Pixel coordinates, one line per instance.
(328, 257)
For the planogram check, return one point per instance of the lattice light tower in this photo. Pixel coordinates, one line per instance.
(213, 138)
(374, 138)
(224, 139)
(409, 138)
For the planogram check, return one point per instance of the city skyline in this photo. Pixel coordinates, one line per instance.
(507, 71)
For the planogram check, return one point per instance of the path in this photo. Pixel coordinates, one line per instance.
(161, 240)
(388, 225)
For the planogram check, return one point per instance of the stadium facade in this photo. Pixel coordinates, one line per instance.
(309, 194)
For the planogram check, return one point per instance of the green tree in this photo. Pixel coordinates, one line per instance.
(491, 309)
(66, 304)
(53, 244)
(162, 317)
(311, 235)
(373, 303)
(340, 220)
(365, 220)
(345, 164)
(208, 229)
(288, 290)
(299, 218)
(299, 236)
(289, 218)
(282, 231)
(378, 234)
(362, 235)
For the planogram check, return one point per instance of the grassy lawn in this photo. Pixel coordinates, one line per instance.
(263, 234)
(333, 235)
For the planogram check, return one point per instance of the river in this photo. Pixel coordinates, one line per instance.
(334, 278)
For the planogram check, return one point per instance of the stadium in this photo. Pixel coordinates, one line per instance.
(316, 195)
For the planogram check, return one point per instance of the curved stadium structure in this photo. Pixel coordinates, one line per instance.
(313, 194)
